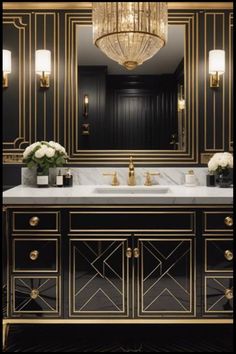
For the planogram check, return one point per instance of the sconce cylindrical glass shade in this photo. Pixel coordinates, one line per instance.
(6, 61)
(43, 61)
(216, 61)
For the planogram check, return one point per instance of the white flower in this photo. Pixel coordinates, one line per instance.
(40, 153)
(223, 160)
(50, 152)
(52, 143)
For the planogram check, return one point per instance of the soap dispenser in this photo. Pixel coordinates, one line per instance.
(68, 179)
(190, 179)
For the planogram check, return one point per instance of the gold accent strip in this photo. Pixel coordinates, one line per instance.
(35, 270)
(88, 5)
(57, 310)
(223, 224)
(104, 213)
(120, 321)
(223, 293)
(57, 215)
(207, 240)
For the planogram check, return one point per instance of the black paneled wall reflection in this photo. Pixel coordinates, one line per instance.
(129, 112)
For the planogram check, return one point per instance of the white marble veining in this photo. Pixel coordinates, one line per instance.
(85, 194)
(94, 175)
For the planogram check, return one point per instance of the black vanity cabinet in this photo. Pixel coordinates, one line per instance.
(102, 264)
(218, 265)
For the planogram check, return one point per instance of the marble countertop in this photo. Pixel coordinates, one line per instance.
(85, 194)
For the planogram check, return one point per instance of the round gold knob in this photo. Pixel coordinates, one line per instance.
(136, 253)
(34, 221)
(229, 255)
(34, 255)
(129, 253)
(229, 294)
(228, 221)
(34, 293)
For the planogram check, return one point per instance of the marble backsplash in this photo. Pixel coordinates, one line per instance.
(94, 175)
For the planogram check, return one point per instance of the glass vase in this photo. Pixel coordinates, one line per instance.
(224, 179)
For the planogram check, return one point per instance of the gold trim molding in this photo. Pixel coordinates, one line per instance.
(88, 5)
(120, 321)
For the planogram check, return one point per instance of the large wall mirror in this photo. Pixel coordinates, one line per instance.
(148, 112)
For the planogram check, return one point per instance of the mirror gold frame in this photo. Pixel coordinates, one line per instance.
(142, 157)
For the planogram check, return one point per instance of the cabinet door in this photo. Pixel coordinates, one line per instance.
(165, 277)
(99, 277)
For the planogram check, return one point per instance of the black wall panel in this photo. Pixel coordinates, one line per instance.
(30, 113)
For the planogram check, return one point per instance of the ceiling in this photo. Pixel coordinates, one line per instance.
(164, 62)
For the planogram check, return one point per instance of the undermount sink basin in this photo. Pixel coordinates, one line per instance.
(131, 190)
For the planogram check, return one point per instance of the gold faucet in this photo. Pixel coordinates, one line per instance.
(131, 176)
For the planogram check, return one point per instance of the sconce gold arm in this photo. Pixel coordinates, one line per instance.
(44, 80)
(4, 80)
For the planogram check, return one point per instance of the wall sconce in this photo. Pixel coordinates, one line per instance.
(43, 66)
(6, 66)
(86, 106)
(216, 66)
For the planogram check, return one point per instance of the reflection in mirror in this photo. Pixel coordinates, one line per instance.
(142, 109)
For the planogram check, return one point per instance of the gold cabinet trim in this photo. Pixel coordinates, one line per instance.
(217, 213)
(223, 293)
(206, 260)
(192, 214)
(57, 214)
(14, 270)
(95, 157)
(192, 281)
(57, 300)
(126, 298)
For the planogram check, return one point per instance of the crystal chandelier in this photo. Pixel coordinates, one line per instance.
(130, 32)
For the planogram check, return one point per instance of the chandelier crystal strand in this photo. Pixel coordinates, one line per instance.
(130, 32)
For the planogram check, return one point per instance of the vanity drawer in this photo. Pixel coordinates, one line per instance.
(34, 295)
(218, 255)
(35, 255)
(218, 221)
(35, 221)
(218, 294)
(167, 221)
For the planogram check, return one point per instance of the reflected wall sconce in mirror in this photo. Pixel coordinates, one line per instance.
(6, 66)
(216, 66)
(181, 100)
(43, 66)
(86, 106)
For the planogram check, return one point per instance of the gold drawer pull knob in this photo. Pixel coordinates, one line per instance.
(229, 294)
(34, 293)
(129, 253)
(229, 255)
(34, 221)
(136, 253)
(34, 255)
(228, 221)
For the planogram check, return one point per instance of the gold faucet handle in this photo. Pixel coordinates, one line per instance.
(148, 175)
(114, 181)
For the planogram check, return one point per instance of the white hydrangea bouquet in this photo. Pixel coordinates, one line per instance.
(43, 155)
(220, 163)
